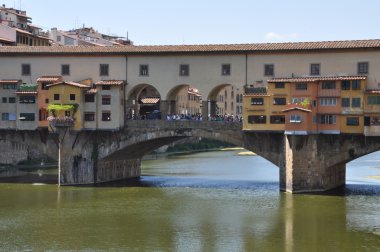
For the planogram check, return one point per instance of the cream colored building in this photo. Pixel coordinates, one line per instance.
(212, 69)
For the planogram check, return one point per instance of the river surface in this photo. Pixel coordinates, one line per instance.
(213, 201)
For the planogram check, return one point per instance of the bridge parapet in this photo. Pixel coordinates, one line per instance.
(187, 124)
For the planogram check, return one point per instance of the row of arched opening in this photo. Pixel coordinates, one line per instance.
(144, 101)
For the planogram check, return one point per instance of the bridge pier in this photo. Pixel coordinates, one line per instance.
(310, 165)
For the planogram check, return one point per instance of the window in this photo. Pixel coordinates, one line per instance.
(257, 101)
(144, 70)
(12, 99)
(277, 119)
(27, 117)
(44, 86)
(104, 69)
(89, 98)
(356, 102)
(363, 68)
(226, 69)
(27, 99)
(279, 101)
(345, 102)
(301, 86)
(72, 97)
(46, 100)
(356, 84)
(25, 69)
(268, 70)
(184, 70)
(5, 116)
(327, 119)
(89, 116)
(328, 85)
(106, 116)
(315, 69)
(295, 118)
(328, 101)
(257, 119)
(5, 99)
(106, 100)
(346, 85)
(279, 85)
(9, 86)
(59, 38)
(56, 97)
(373, 100)
(352, 121)
(65, 69)
(106, 87)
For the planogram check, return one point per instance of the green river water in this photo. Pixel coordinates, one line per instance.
(213, 201)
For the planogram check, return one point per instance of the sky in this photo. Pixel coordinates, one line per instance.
(176, 22)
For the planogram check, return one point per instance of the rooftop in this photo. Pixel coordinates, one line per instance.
(189, 49)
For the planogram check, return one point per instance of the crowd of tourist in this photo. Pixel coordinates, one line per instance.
(191, 117)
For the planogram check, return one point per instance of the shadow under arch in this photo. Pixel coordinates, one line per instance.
(142, 99)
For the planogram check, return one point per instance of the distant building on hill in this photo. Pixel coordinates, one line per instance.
(16, 29)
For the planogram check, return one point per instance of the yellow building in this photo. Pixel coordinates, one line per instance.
(352, 102)
(69, 97)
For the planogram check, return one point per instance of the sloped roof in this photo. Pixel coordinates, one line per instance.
(49, 79)
(216, 48)
(317, 78)
(70, 83)
(5, 81)
(109, 82)
(149, 100)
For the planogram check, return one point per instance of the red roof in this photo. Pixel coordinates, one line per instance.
(175, 49)
(109, 82)
(70, 83)
(317, 79)
(49, 79)
(9, 81)
(150, 100)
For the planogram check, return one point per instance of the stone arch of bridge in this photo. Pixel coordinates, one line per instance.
(142, 99)
(144, 138)
(212, 100)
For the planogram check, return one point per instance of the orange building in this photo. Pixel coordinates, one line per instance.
(311, 105)
(43, 97)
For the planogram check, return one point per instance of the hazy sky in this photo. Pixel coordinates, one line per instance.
(151, 22)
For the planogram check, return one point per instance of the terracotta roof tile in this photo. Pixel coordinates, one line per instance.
(27, 92)
(69, 83)
(150, 100)
(220, 48)
(91, 91)
(373, 91)
(49, 79)
(9, 81)
(316, 79)
(109, 82)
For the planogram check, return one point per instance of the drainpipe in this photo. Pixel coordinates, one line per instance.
(124, 87)
(246, 70)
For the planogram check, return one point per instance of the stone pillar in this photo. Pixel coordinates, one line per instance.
(205, 110)
(213, 108)
(308, 166)
(167, 108)
(118, 170)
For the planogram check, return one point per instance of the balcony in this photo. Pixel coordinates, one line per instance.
(61, 121)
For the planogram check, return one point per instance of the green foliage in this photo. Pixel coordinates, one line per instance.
(63, 107)
(305, 102)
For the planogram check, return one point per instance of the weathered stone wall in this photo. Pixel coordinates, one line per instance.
(17, 146)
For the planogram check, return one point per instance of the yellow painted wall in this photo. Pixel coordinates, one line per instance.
(344, 128)
(64, 92)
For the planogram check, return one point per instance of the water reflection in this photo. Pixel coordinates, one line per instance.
(230, 203)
